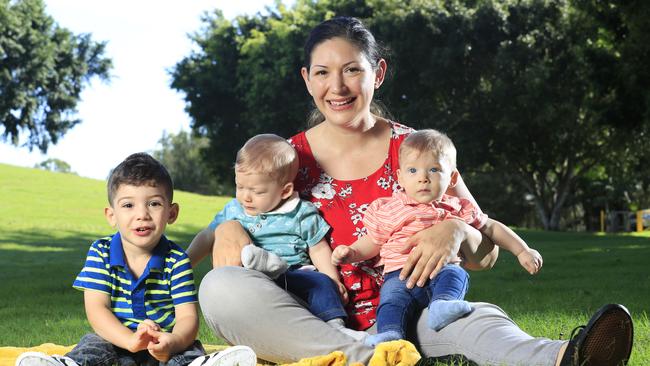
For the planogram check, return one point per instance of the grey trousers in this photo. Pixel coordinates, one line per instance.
(246, 307)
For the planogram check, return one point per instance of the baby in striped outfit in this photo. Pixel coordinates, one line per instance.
(427, 169)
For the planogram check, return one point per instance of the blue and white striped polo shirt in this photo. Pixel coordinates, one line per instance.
(167, 281)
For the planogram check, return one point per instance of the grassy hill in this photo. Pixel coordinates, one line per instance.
(48, 220)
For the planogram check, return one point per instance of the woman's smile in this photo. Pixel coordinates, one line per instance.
(341, 104)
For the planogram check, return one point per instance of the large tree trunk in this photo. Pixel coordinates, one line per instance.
(550, 199)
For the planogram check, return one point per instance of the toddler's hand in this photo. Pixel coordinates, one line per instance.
(531, 260)
(149, 324)
(340, 254)
(161, 345)
(141, 338)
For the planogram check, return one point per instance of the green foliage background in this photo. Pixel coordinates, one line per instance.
(549, 96)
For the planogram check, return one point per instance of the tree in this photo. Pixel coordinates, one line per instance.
(54, 165)
(530, 89)
(625, 181)
(180, 154)
(43, 69)
(537, 91)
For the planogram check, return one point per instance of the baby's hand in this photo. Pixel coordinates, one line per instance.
(343, 292)
(531, 260)
(340, 254)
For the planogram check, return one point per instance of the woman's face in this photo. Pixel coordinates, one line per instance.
(342, 81)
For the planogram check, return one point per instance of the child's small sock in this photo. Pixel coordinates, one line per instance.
(264, 261)
(375, 339)
(443, 312)
(339, 324)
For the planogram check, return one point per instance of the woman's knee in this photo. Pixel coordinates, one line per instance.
(231, 231)
(221, 283)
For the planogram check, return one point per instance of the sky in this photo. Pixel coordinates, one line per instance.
(145, 39)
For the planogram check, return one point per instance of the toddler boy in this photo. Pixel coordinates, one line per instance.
(138, 286)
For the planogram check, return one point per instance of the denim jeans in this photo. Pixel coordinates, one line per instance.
(93, 350)
(317, 290)
(398, 304)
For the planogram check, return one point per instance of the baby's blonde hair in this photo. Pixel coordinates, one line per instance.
(431, 141)
(268, 154)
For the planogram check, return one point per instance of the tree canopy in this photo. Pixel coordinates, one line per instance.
(43, 69)
(541, 94)
(55, 165)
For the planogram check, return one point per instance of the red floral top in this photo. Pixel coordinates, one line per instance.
(342, 204)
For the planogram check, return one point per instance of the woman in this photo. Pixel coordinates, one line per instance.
(347, 160)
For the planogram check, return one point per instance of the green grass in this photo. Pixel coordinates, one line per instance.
(48, 220)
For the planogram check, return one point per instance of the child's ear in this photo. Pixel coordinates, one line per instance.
(173, 213)
(287, 190)
(110, 216)
(399, 177)
(454, 178)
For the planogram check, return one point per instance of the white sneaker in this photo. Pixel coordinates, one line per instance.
(41, 359)
(231, 356)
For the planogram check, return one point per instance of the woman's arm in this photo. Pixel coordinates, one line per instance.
(479, 255)
(436, 246)
(224, 244)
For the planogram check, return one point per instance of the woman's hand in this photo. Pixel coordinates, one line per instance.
(226, 253)
(229, 239)
(433, 248)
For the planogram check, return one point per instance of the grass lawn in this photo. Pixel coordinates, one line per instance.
(48, 220)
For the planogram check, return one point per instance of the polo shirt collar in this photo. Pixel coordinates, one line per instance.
(116, 253)
(288, 205)
(446, 202)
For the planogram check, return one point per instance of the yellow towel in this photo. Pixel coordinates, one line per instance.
(336, 358)
(395, 353)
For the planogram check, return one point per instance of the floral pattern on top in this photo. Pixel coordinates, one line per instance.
(343, 203)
